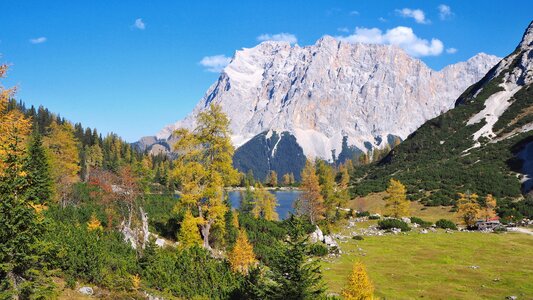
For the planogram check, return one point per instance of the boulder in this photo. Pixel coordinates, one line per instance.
(406, 220)
(160, 242)
(86, 291)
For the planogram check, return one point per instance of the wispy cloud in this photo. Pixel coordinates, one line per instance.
(343, 29)
(354, 13)
(451, 50)
(278, 37)
(381, 19)
(38, 40)
(417, 14)
(400, 36)
(445, 12)
(215, 63)
(139, 24)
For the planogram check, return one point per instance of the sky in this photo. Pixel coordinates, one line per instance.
(132, 67)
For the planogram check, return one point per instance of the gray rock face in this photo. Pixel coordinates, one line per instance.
(332, 89)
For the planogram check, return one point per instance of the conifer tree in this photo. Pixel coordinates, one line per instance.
(205, 167)
(242, 256)
(39, 189)
(397, 204)
(359, 286)
(468, 208)
(272, 178)
(247, 200)
(326, 179)
(286, 179)
(311, 203)
(94, 224)
(488, 211)
(264, 204)
(189, 235)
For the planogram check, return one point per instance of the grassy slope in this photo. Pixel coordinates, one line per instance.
(437, 265)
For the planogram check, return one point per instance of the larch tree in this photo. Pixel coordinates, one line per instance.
(272, 178)
(286, 179)
(264, 204)
(488, 210)
(397, 204)
(94, 224)
(204, 167)
(359, 286)
(326, 180)
(62, 148)
(189, 235)
(468, 208)
(311, 202)
(242, 256)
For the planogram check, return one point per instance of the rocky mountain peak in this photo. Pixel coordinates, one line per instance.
(527, 39)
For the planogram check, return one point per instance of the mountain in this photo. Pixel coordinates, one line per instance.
(483, 145)
(331, 90)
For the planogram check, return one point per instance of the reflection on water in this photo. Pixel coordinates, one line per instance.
(285, 201)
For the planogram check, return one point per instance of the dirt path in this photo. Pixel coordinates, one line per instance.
(521, 230)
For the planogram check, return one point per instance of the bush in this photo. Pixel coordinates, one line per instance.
(393, 223)
(358, 237)
(446, 224)
(422, 223)
(318, 249)
(360, 214)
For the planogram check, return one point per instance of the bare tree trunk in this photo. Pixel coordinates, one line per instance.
(205, 229)
(13, 279)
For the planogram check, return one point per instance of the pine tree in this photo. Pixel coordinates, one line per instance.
(295, 276)
(326, 180)
(242, 256)
(397, 204)
(40, 188)
(311, 203)
(359, 286)
(468, 208)
(246, 201)
(188, 235)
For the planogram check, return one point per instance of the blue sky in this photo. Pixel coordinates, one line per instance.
(132, 67)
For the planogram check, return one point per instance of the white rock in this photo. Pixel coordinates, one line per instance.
(160, 242)
(86, 290)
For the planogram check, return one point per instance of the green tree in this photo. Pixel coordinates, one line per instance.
(39, 190)
(326, 179)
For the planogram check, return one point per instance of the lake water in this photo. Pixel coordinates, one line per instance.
(285, 201)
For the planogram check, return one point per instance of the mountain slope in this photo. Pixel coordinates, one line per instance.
(481, 145)
(331, 90)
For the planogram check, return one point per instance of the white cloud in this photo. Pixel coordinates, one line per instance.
(278, 37)
(417, 14)
(215, 63)
(354, 13)
(400, 36)
(381, 19)
(445, 11)
(38, 40)
(451, 50)
(139, 24)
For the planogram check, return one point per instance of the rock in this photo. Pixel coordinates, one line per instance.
(415, 225)
(330, 242)
(160, 242)
(406, 220)
(423, 231)
(316, 236)
(511, 297)
(396, 230)
(86, 291)
(474, 267)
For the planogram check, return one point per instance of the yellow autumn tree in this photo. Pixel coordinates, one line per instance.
(242, 256)
(359, 286)
(189, 235)
(468, 208)
(63, 151)
(264, 204)
(204, 167)
(286, 179)
(94, 223)
(311, 203)
(488, 211)
(397, 204)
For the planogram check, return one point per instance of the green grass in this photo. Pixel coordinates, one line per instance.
(438, 265)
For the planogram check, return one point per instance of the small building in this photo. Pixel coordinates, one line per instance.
(489, 224)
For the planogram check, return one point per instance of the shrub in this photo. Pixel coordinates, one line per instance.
(318, 249)
(422, 223)
(446, 224)
(388, 224)
(360, 214)
(358, 237)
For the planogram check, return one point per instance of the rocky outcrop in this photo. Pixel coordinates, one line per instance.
(333, 90)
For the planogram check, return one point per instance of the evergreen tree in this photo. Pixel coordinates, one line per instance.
(359, 286)
(326, 180)
(188, 235)
(294, 276)
(39, 190)
(247, 200)
(397, 204)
